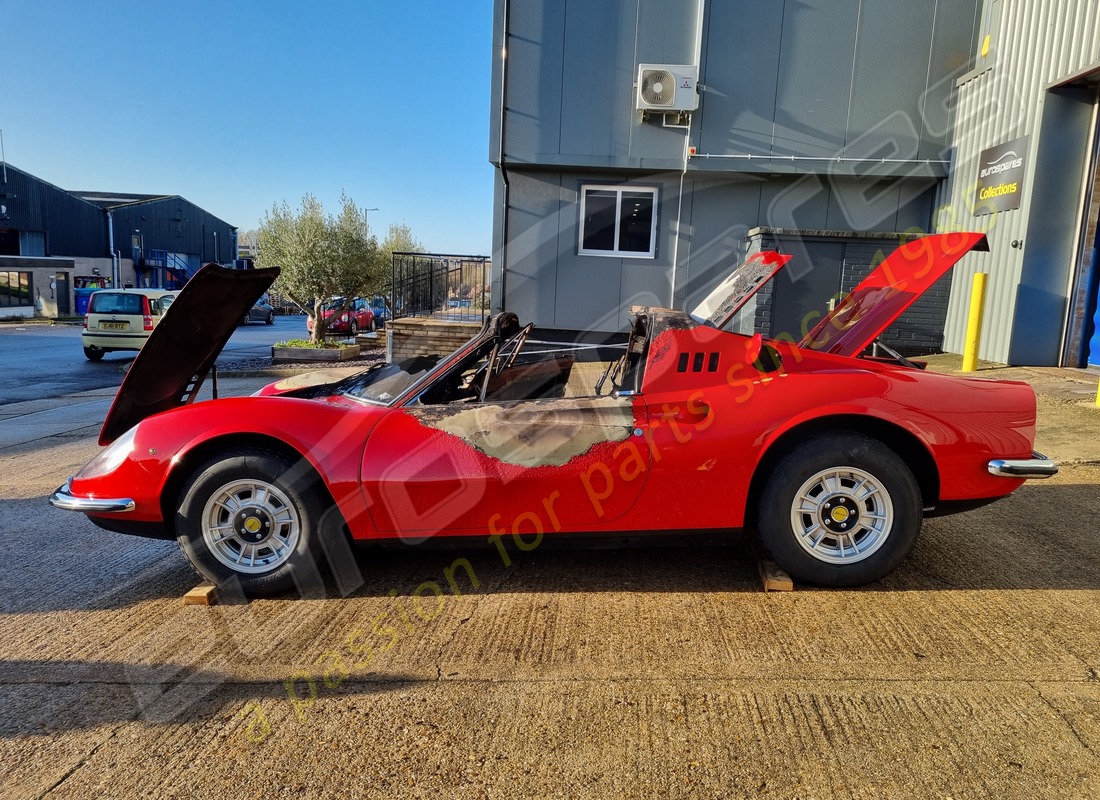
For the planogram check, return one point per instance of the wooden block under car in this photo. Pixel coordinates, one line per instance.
(202, 595)
(775, 579)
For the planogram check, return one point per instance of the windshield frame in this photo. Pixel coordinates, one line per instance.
(340, 387)
(414, 389)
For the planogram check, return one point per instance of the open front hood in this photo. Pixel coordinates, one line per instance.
(732, 293)
(170, 368)
(884, 294)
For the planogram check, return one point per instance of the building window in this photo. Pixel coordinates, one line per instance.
(32, 243)
(618, 221)
(15, 289)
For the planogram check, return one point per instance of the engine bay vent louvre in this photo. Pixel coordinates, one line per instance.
(697, 361)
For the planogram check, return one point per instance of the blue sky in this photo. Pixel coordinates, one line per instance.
(237, 106)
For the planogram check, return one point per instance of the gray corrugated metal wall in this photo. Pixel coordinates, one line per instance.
(1038, 43)
(548, 283)
(570, 77)
(73, 227)
(805, 78)
(76, 227)
(808, 79)
(176, 225)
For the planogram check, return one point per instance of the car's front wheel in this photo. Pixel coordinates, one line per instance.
(253, 516)
(839, 510)
(353, 327)
(270, 318)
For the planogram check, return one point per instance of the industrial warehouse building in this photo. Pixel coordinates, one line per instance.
(1025, 171)
(643, 148)
(57, 245)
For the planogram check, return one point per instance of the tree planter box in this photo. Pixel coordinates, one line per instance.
(293, 355)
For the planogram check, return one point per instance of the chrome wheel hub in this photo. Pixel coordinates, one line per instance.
(250, 526)
(253, 524)
(842, 515)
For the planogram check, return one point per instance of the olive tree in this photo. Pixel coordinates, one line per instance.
(321, 256)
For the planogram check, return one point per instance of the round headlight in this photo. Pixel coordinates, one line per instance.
(109, 459)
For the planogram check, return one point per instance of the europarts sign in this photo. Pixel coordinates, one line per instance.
(1000, 177)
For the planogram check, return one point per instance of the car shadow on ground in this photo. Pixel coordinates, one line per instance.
(1040, 538)
(46, 698)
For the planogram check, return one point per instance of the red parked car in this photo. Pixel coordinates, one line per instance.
(831, 454)
(356, 317)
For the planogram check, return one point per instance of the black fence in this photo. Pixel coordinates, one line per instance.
(444, 286)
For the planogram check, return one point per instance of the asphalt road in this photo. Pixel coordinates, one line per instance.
(39, 360)
(971, 672)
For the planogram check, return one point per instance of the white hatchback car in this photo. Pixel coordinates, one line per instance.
(122, 319)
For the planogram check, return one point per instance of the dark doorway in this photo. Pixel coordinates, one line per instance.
(9, 242)
(799, 304)
(61, 292)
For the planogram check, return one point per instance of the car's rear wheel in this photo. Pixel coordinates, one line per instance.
(94, 353)
(252, 516)
(840, 510)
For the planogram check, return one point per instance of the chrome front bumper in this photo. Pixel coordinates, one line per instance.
(1038, 466)
(63, 498)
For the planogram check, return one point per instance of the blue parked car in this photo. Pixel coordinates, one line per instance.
(381, 309)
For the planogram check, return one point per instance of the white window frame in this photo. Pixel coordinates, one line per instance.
(618, 189)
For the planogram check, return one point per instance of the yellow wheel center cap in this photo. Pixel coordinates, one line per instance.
(252, 525)
(839, 514)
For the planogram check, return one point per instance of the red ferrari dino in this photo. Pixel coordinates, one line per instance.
(831, 449)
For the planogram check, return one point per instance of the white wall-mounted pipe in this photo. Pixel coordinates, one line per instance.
(685, 156)
(823, 159)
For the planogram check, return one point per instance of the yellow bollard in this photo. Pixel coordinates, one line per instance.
(974, 324)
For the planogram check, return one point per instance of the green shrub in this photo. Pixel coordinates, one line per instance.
(310, 345)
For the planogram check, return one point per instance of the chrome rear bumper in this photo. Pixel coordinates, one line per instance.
(65, 499)
(1038, 466)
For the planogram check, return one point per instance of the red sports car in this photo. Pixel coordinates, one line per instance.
(358, 316)
(830, 451)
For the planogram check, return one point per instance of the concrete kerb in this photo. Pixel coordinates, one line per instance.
(277, 373)
(41, 321)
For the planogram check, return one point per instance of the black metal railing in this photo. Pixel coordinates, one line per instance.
(445, 286)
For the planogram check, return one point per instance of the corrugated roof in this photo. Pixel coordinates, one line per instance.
(116, 199)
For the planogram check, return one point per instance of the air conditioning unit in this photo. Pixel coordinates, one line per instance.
(667, 88)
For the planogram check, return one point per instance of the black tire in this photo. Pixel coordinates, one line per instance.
(353, 327)
(270, 319)
(245, 319)
(288, 515)
(804, 516)
(94, 353)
